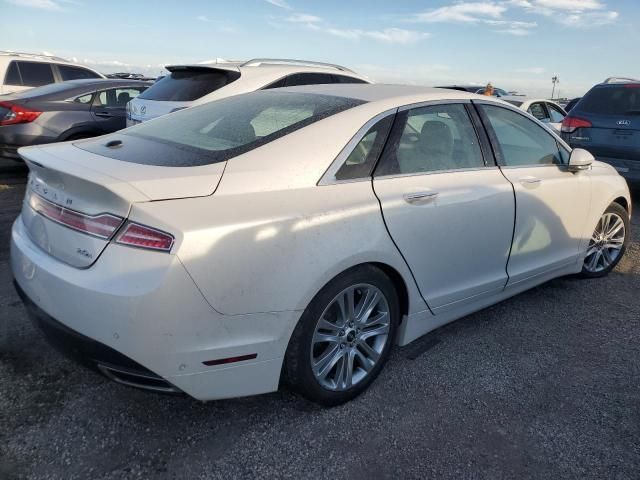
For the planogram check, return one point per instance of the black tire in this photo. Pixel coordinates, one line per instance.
(618, 210)
(297, 370)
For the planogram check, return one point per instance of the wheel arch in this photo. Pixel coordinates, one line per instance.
(624, 203)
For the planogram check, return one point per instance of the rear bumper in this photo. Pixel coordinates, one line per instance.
(12, 137)
(140, 312)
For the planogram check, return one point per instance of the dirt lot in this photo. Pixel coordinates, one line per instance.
(545, 385)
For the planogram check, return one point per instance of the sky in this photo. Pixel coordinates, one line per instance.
(515, 44)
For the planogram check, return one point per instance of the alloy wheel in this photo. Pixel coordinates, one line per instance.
(350, 336)
(606, 243)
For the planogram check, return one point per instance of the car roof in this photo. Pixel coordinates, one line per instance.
(400, 94)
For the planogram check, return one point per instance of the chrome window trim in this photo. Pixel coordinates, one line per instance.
(436, 172)
(329, 177)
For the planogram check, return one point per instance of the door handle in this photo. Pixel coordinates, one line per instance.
(103, 114)
(420, 198)
(530, 180)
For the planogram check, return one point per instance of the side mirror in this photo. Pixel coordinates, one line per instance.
(580, 160)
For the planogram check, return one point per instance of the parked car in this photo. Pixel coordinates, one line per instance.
(606, 122)
(64, 111)
(572, 103)
(479, 89)
(297, 234)
(546, 111)
(189, 85)
(21, 71)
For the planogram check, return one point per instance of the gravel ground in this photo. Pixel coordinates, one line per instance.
(545, 385)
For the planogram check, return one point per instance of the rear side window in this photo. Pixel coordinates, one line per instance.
(35, 74)
(218, 131)
(309, 79)
(13, 75)
(431, 139)
(362, 159)
(188, 85)
(612, 100)
(75, 73)
(346, 79)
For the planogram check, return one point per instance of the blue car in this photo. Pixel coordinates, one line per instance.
(606, 121)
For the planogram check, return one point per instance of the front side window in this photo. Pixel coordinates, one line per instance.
(362, 159)
(68, 72)
(35, 74)
(431, 139)
(522, 142)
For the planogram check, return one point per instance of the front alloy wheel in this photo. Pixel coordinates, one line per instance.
(608, 242)
(344, 336)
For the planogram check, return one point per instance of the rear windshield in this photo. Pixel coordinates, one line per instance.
(617, 100)
(218, 131)
(188, 85)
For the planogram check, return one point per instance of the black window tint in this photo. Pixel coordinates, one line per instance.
(75, 73)
(429, 139)
(538, 111)
(516, 103)
(278, 84)
(362, 159)
(188, 85)
(218, 131)
(308, 79)
(557, 115)
(612, 100)
(116, 97)
(521, 140)
(13, 75)
(346, 79)
(35, 74)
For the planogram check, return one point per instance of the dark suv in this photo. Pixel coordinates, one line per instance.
(606, 121)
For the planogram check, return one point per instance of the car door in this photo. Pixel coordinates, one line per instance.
(109, 107)
(445, 203)
(552, 203)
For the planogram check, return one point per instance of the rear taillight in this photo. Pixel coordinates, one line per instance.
(141, 236)
(571, 124)
(102, 225)
(17, 114)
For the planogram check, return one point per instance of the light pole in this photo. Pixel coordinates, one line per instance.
(555, 80)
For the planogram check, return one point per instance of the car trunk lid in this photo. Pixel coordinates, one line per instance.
(76, 200)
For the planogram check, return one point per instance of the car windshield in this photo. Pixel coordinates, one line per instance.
(226, 128)
(616, 100)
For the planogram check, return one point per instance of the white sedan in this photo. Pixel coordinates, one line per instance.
(296, 235)
(546, 111)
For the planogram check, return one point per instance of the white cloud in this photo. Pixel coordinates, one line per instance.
(570, 13)
(531, 70)
(398, 36)
(303, 18)
(40, 4)
(587, 20)
(465, 12)
(202, 18)
(517, 32)
(279, 3)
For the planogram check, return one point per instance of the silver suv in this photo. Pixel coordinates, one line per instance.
(21, 71)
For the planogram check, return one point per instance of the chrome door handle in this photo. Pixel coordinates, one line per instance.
(419, 197)
(530, 180)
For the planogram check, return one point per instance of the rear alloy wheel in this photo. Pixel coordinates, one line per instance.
(608, 242)
(344, 337)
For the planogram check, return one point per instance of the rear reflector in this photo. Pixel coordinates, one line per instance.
(17, 114)
(141, 236)
(102, 225)
(571, 124)
(222, 361)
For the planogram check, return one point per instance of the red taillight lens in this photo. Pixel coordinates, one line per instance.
(136, 235)
(571, 124)
(632, 85)
(103, 225)
(17, 114)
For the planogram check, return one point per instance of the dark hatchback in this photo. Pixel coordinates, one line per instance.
(606, 122)
(64, 111)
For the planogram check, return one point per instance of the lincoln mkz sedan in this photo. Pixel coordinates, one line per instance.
(294, 235)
